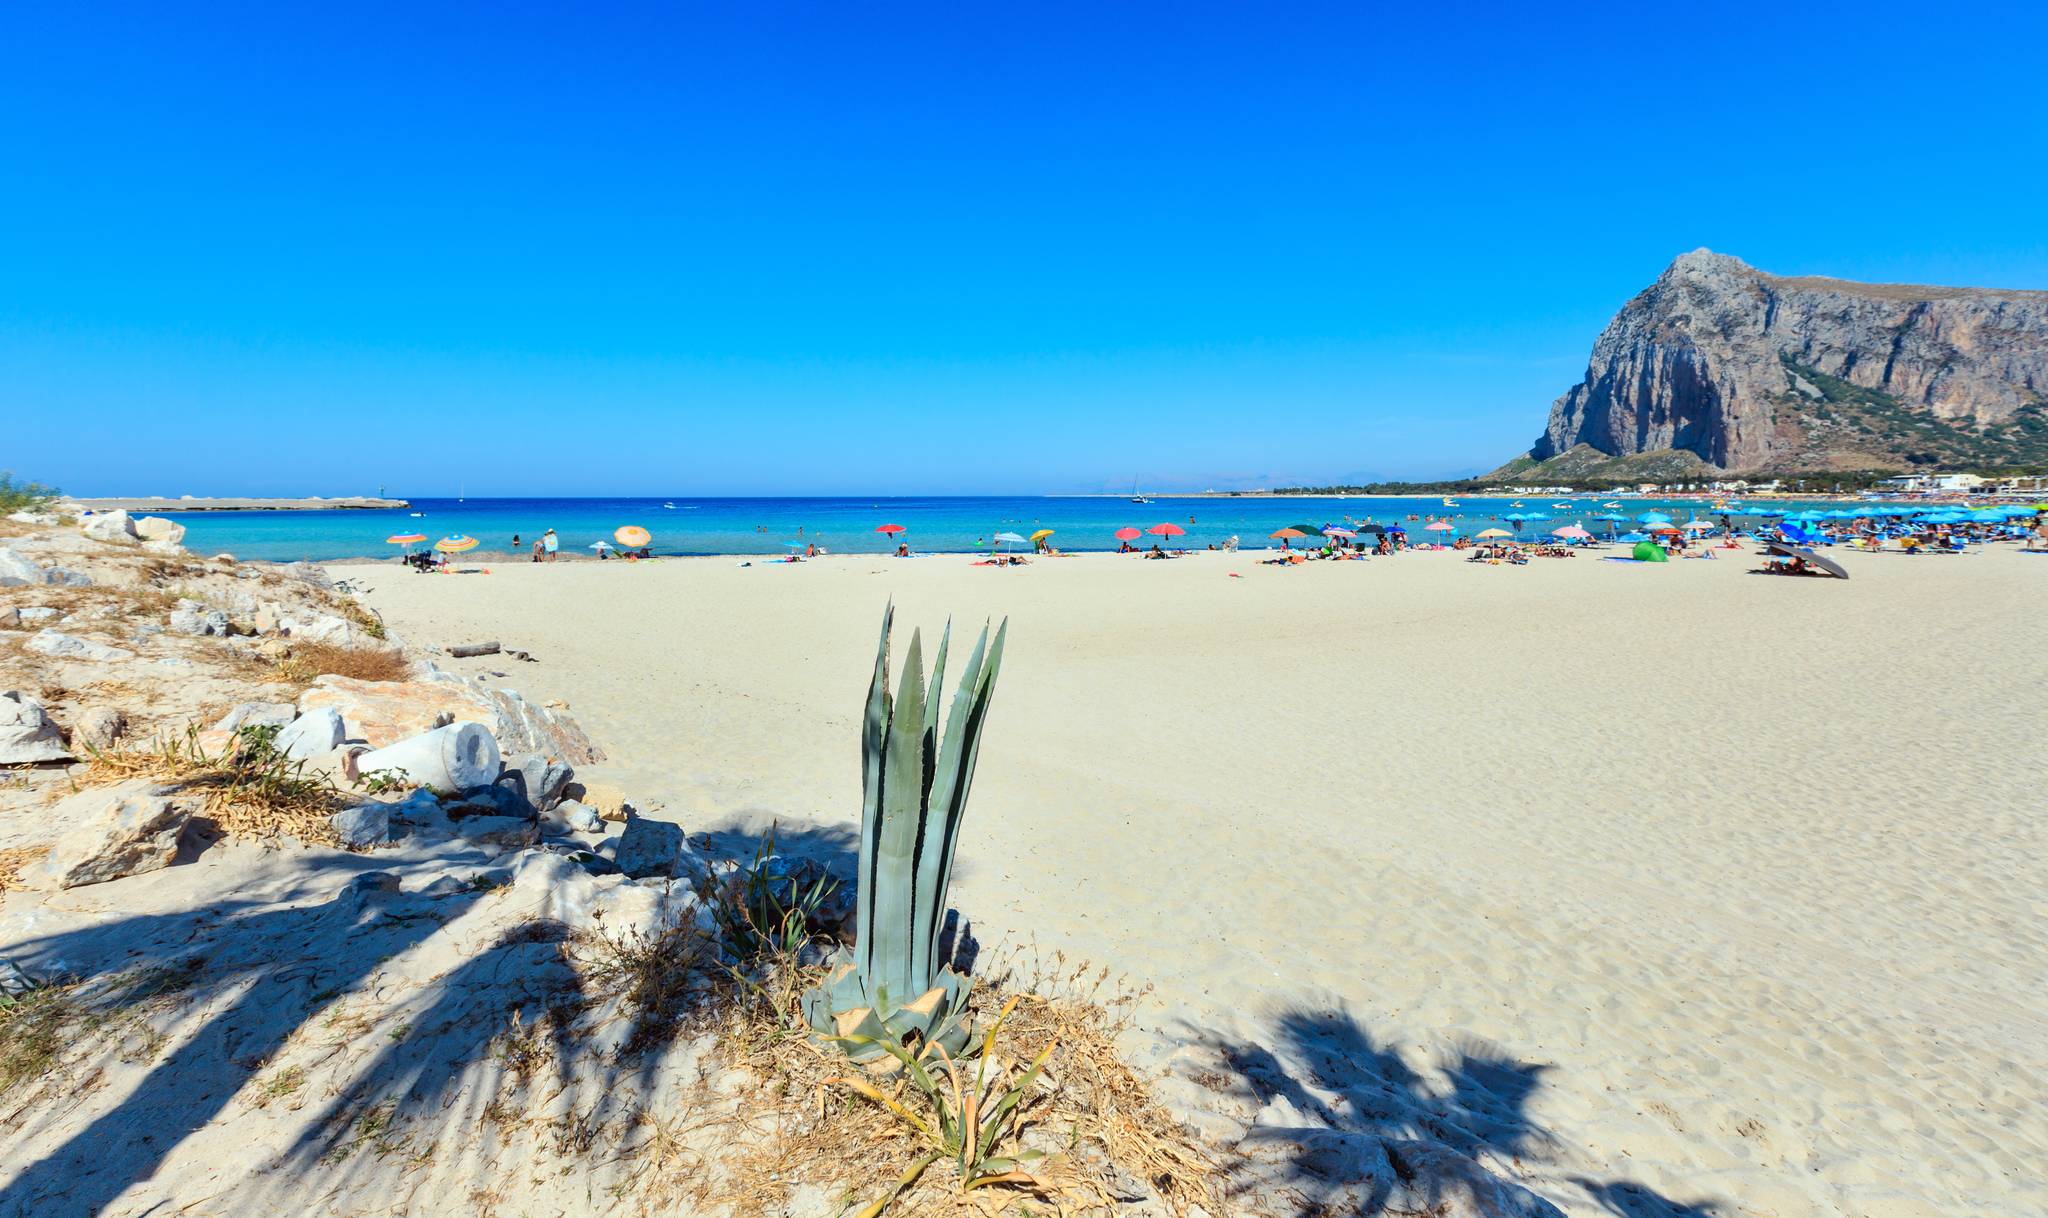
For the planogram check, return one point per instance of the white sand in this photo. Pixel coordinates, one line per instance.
(1747, 873)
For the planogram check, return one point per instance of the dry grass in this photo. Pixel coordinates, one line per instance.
(765, 1122)
(251, 789)
(43, 1029)
(15, 860)
(308, 661)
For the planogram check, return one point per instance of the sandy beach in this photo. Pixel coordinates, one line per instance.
(1726, 889)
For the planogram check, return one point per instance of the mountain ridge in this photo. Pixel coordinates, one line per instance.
(1749, 371)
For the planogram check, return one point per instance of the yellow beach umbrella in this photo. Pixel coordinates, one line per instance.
(632, 537)
(456, 544)
(1496, 533)
(1041, 535)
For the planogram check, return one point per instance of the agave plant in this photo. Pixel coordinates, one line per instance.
(891, 985)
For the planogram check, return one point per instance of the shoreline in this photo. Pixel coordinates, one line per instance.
(149, 505)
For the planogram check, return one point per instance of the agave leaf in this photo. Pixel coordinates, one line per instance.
(874, 734)
(948, 806)
(972, 699)
(903, 811)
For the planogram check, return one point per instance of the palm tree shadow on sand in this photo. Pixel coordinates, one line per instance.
(474, 1045)
(1346, 1127)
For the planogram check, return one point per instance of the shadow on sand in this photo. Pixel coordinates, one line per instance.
(1347, 1127)
(424, 1070)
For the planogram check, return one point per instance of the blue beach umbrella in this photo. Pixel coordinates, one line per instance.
(1633, 535)
(1654, 518)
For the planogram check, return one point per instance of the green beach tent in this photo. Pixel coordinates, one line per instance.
(1650, 551)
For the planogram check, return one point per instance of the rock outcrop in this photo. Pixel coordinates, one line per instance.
(381, 713)
(111, 832)
(1748, 371)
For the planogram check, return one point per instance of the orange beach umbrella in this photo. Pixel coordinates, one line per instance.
(405, 539)
(632, 536)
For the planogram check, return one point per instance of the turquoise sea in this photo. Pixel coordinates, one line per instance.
(847, 525)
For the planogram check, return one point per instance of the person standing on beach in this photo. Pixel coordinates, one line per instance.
(551, 542)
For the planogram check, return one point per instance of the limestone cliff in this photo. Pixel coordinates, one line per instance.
(1750, 371)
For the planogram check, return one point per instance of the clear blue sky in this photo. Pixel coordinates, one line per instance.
(761, 249)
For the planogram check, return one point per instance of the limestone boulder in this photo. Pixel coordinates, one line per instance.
(312, 734)
(156, 528)
(364, 827)
(193, 617)
(17, 570)
(114, 526)
(650, 848)
(112, 832)
(97, 727)
(61, 646)
(380, 713)
(27, 734)
(538, 778)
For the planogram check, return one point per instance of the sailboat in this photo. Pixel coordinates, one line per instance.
(1137, 496)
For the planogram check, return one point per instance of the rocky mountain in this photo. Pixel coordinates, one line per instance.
(1718, 366)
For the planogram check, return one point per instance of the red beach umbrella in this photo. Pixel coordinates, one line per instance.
(1169, 529)
(890, 529)
(1127, 533)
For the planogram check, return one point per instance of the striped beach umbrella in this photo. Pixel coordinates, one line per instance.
(405, 539)
(456, 544)
(632, 536)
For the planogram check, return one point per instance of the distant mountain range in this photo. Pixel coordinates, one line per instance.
(1719, 367)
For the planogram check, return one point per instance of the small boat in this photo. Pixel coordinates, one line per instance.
(1450, 503)
(418, 513)
(670, 506)
(1137, 496)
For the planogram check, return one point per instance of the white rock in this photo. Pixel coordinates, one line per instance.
(97, 727)
(111, 526)
(311, 734)
(27, 735)
(71, 647)
(111, 832)
(363, 827)
(17, 570)
(192, 617)
(156, 528)
(36, 613)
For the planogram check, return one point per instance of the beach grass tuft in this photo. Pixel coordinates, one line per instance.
(251, 789)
